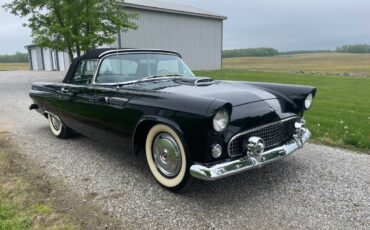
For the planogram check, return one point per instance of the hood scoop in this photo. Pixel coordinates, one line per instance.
(197, 81)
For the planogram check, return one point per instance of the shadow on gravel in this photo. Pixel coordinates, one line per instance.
(253, 183)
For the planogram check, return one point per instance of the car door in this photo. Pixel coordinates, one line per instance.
(114, 116)
(76, 101)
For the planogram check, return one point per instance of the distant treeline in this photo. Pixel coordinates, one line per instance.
(305, 52)
(356, 48)
(265, 52)
(14, 58)
(251, 52)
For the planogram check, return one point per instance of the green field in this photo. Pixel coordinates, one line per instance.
(341, 110)
(314, 63)
(14, 66)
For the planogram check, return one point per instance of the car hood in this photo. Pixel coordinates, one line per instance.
(234, 93)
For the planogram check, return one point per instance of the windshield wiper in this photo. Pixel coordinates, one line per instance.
(154, 77)
(149, 78)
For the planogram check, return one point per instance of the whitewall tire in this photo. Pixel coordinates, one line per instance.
(57, 127)
(166, 157)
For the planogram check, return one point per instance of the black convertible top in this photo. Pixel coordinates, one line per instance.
(101, 52)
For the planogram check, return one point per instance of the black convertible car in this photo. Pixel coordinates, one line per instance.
(186, 125)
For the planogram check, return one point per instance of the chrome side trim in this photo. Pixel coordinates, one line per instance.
(225, 169)
(257, 128)
(120, 101)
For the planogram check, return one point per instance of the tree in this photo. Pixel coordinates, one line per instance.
(14, 58)
(356, 48)
(73, 25)
(250, 52)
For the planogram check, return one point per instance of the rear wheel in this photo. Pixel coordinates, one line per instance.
(167, 158)
(57, 127)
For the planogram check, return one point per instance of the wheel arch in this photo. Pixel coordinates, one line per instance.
(145, 124)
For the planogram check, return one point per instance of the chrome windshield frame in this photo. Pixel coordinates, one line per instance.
(138, 80)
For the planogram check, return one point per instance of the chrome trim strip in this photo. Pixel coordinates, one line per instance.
(131, 51)
(221, 170)
(257, 128)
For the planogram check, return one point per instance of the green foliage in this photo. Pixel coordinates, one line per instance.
(340, 111)
(14, 58)
(356, 48)
(256, 52)
(73, 25)
(10, 218)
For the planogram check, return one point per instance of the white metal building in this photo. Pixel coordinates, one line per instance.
(47, 59)
(196, 34)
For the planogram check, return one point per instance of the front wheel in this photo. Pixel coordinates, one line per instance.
(58, 128)
(167, 158)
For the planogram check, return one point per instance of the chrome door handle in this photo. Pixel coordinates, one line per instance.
(63, 90)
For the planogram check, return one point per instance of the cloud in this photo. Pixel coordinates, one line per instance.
(13, 35)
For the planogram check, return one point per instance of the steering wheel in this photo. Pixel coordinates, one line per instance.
(163, 72)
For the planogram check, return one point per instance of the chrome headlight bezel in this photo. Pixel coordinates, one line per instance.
(308, 101)
(221, 120)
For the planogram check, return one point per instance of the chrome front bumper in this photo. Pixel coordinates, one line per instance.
(225, 169)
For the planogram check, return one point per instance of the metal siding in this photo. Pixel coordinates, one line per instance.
(34, 59)
(54, 60)
(47, 59)
(40, 60)
(61, 61)
(30, 58)
(67, 62)
(197, 39)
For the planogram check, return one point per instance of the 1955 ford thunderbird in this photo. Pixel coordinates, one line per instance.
(187, 126)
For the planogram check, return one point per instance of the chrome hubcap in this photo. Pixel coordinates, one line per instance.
(166, 154)
(55, 121)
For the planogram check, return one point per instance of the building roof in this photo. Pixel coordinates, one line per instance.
(161, 6)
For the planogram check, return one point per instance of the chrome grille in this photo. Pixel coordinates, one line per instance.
(272, 134)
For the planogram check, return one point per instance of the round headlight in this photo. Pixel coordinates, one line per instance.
(308, 101)
(221, 120)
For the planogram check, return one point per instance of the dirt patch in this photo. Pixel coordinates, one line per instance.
(45, 201)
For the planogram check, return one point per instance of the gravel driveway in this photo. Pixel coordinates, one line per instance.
(319, 187)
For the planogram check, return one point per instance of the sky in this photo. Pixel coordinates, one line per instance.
(281, 24)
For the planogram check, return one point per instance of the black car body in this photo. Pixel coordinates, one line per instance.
(205, 128)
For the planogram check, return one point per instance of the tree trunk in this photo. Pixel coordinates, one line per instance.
(78, 50)
(70, 54)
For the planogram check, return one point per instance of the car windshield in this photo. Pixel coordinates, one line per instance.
(122, 68)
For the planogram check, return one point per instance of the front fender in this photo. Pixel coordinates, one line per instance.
(145, 124)
(296, 93)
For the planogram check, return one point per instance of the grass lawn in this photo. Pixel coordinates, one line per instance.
(323, 63)
(340, 114)
(14, 66)
(21, 205)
